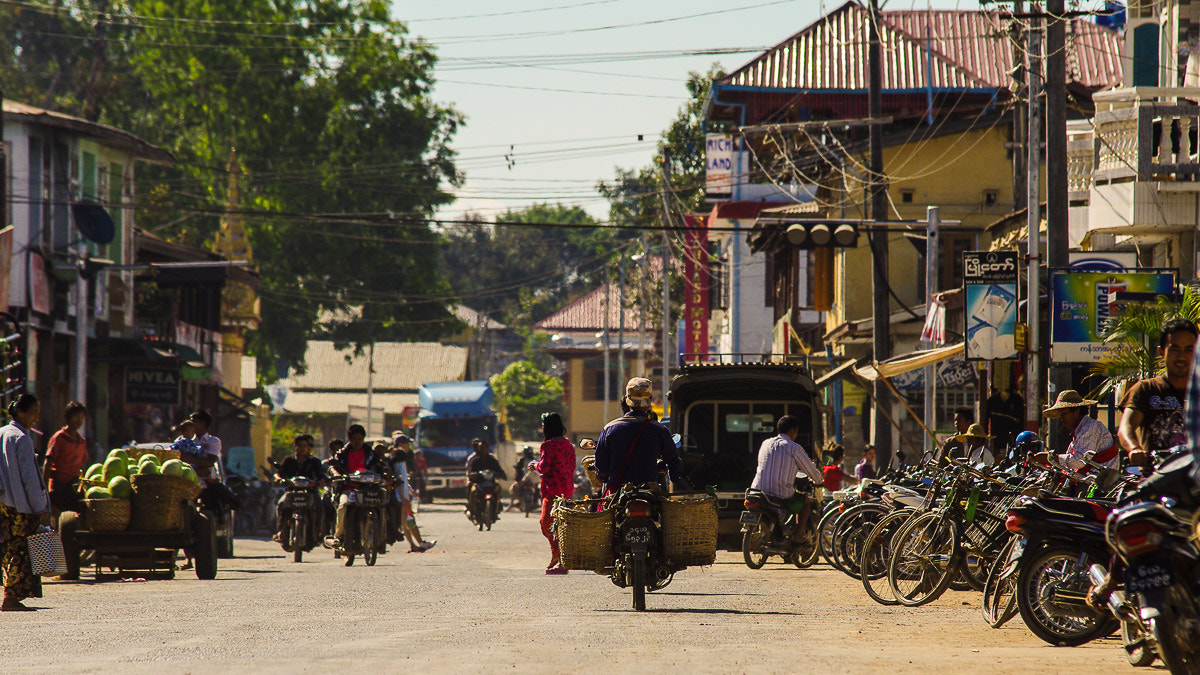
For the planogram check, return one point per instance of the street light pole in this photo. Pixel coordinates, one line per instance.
(81, 324)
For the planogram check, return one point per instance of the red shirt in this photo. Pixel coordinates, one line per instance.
(557, 467)
(356, 461)
(834, 476)
(67, 457)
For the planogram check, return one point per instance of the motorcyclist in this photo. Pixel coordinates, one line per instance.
(481, 460)
(520, 469)
(302, 463)
(1153, 409)
(780, 460)
(629, 447)
(354, 456)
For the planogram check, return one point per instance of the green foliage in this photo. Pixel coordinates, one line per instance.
(524, 393)
(282, 436)
(1134, 333)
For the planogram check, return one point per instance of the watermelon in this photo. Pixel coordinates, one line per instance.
(97, 493)
(113, 467)
(119, 453)
(172, 467)
(148, 468)
(120, 488)
(94, 472)
(190, 474)
(148, 458)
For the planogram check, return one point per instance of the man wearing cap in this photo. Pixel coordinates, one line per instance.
(975, 442)
(1090, 439)
(629, 446)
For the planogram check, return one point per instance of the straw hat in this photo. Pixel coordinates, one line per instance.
(638, 393)
(1067, 398)
(975, 431)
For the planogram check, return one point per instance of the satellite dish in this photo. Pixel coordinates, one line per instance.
(93, 222)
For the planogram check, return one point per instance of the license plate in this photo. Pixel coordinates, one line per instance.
(1148, 576)
(750, 517)
(299, 500)
(637, 535)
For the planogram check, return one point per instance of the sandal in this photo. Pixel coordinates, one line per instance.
(557, 570)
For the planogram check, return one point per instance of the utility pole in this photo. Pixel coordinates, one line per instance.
(1020, 110)
(621, 326)
(932, 258)
(881, 433)
(605, 345)
(1057, 208)
(641, 304)
(1033, 222)
(370, 390)
(666, 282)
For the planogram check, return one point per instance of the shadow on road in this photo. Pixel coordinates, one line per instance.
(702, 610)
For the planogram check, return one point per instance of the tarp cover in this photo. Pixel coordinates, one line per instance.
(906, 362)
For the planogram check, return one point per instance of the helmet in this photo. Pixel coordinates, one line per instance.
(1026, 437)
(527, 450)
(1025, 444)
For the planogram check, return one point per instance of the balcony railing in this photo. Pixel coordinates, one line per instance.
(1146, 138)
(1081, 160)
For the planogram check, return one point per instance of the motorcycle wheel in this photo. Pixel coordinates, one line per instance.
(876, 551)
(806, 556)
(370, 541)
(753, 543)
(1054, 568)
(923, 560)
(999, 595)
(1176, 614)
(298, 539)
(637, 579)
(1141, 655)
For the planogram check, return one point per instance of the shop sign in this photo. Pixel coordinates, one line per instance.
(718, 167)
(695, 288)
(158, 386)
(990, 292)
(1082, 304)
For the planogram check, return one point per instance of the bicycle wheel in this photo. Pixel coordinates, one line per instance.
(851, 531)
(923, 560)
(876, 551)
(825, 528)
(999, 595)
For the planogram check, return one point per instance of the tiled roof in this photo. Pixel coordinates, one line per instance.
(399, 367)
(968, 49)
(586, 313)
(318, 402)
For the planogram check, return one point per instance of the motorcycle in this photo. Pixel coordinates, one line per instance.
(1154, 537)
(299, 534)
(483, 502)
(531, 495)
(638, 561)
(367, 519)
(769, 529)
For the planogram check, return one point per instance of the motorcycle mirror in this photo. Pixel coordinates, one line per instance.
(677, 439)
(587, 444)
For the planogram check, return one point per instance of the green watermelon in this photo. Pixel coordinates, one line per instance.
(173, 467)
(120, 488)
(190, 474)
(94, 472)
(113, 467)
(147, 458)
(119, 453)
(97, 493)
(147, 468)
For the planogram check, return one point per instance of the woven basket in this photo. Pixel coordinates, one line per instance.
(107, 515)
(161, 503)
(689, 530)
(85, 483)
(584, 535)
(161, 451)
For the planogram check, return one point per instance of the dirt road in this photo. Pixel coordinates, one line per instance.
(480, 602)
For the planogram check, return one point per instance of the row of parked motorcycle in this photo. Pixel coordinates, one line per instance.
(1034, 538)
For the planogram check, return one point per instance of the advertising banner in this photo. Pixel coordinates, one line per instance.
(990, 296)
(159, 386)
(1082, 303)
(695, 288)
(718, 167)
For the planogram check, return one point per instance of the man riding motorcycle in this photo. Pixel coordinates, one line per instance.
(780, 459)
(481, 460)
(520, 471)
(354, 456)
(1153, 409)
(629, 447)
(302, 463)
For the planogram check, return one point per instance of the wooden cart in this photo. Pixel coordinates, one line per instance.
(140, 554)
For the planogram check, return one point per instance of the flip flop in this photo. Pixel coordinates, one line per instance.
(556, 570)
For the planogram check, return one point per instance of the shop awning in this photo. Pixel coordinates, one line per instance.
(834, 375)
(906, 362)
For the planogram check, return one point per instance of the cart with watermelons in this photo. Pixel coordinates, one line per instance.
(140, 536)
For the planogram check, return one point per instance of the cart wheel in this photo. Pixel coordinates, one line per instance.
(68, 524)
(204, 551)
(224, 541)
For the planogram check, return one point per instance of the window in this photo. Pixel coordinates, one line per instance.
(593, 383)
(741, 423)
(990, 197)
(906, 196)
(116, 201)
(88, 186)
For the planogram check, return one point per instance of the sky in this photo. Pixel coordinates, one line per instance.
(546, 118)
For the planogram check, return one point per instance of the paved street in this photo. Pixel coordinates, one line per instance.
(479, 602)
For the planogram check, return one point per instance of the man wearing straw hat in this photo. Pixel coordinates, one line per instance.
(629, 446)
(975, 442)
(1090, 439)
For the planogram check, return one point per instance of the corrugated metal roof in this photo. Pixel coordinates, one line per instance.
(134, 144)
(399, 366)
(586, 313)
(968, 49)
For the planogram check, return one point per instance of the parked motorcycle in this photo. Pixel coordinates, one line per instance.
(768, 529)
(483, 502)
(300, 533)
(367, 518)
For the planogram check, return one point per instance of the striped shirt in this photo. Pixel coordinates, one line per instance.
(1090, 437)
(779, 460)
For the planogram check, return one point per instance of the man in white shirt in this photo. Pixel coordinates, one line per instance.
(975, 442)
(780, 459)
(1090, 439)
(215, 492)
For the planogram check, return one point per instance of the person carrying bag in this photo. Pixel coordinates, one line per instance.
(24, 504)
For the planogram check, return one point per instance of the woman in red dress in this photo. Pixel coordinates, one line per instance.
(557, 468)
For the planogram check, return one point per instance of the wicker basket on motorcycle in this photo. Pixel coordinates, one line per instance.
(162, 452)
(161, 503)
(106, 515)
(584, 535)
(689, 530)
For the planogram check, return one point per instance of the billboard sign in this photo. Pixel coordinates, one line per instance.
(990, 294)
(695, 288)
(1082, 303)
(718, 167)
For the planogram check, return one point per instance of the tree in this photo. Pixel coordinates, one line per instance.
(525, 393)
(1133, 333)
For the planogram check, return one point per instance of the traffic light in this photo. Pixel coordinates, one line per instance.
(838, 234)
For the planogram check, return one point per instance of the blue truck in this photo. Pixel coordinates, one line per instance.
(452, 415)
